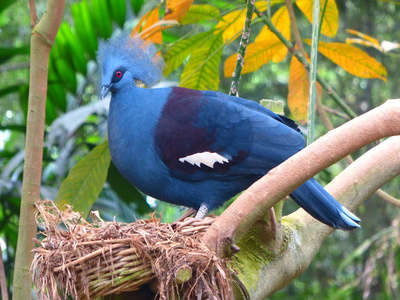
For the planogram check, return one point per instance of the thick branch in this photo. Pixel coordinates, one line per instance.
(355, 184)
(250, 206)
(43, 35)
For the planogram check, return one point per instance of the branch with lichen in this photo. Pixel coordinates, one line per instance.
(305, 62)
(244, 41)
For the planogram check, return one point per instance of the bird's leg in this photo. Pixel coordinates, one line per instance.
(202, 212)
(188, 213)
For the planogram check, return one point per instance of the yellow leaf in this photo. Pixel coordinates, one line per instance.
(280, 55)
(257, 54)
(141, 22)
(176, 9)
(353, 60)
(281, 21)
(299, 89)
(364, 36)
(263, 5)
(363, 42)
(232, 24)
(145, 24)
(330, 24)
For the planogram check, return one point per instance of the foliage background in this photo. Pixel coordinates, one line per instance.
(361, 264)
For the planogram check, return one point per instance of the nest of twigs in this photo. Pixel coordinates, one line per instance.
(85, 260)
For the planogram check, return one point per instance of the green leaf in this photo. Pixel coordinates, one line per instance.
(118, 11)
(20, 128)
(201, 12)
(7, 53)
(56, 91)
(85, 181)
(84, 27)
(66, 73)
(182, 49)
(23, 99)
(75, 48)
(51, 113)
(202, 70)
(137, 6)
(57, 95)
(9, 90)
(101, 18)
(5, 3)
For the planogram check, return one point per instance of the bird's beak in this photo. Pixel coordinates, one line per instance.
(105, 90)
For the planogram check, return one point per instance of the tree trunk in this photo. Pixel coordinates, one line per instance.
(43, 35)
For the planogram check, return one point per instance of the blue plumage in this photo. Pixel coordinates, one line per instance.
(197, 148)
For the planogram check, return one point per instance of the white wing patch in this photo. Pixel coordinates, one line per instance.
(205, 158)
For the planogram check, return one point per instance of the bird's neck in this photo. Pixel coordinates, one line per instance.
(132, 119)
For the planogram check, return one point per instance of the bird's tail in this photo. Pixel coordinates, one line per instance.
(321, 205)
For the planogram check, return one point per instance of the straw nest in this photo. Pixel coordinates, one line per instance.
(87, 260)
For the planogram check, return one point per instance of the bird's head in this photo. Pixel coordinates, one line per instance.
(128, 61)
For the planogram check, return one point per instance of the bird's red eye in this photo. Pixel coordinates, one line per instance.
(118, 74)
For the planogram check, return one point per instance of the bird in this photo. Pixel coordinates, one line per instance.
(196, 148)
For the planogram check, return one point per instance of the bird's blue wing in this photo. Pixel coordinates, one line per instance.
(212, 135)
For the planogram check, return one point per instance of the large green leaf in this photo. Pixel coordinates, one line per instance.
(118, 11)
(181, 50)
(51, 113)
(85, 181)
(202, 70)
(61, 61)
(137, 6)
(84, 27)
(74, 47)
(101, 18)
(57, 95)
(201, 12)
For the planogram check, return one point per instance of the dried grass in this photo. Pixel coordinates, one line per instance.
(85, 260)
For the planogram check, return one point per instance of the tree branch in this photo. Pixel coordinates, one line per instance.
(250, 206)
(244, 41)
(3, 284)
(33, 14)
(294, 27)
(388, 198)
(351, 187)
(43, 35)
